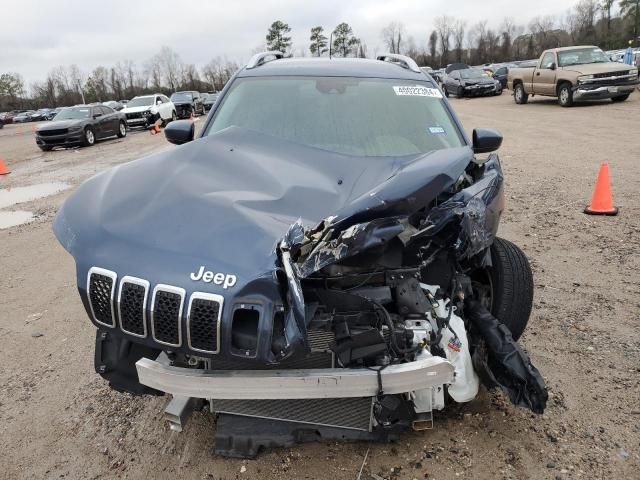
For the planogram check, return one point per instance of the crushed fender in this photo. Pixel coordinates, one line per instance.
(500, 361)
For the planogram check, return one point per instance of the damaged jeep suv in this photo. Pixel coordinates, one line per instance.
(320, 263)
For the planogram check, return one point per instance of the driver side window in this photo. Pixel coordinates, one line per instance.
(547, 60)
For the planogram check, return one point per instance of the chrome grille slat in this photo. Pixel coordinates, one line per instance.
(203, 322)
(166, 314)
(100, 290)
(132, 306)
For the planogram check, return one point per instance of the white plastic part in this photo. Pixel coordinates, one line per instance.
(464, 387)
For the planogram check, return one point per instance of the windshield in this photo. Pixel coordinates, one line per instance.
(469, 73)
(353, 116)
(141, 102)
(75, 113)
(581, 56)
(181, 97)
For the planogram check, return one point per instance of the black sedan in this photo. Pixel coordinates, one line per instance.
(470, 82)
(81, 125)
(188, 103)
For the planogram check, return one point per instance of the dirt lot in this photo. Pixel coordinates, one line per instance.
(59, 420)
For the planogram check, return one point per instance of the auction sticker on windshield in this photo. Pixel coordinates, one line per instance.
(418, 91)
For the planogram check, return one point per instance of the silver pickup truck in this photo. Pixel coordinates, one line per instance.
(573, 74)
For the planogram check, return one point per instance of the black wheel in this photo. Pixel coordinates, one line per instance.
(499, 90)
(445, 90)
(565, 95)
(122, 130)
(519, 95)
(506, 288)
(619, 98)
(459, 92)
(45, 148)
(89, 137)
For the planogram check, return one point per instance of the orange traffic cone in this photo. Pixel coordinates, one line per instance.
(3, 168)
(602, 200)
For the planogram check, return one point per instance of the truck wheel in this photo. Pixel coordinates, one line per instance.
(620, 98)
(565, 95)
(506, 288)
(519, 95)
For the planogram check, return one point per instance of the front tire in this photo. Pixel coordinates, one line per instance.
(45, 148)
(460, 92)
(89, 137)
(519, 95)
(122, 130)
(620, 98)
(565, 95)
(508, 286)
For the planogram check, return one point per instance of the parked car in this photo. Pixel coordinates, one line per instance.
(23, 117)
(145, 110)
(501, 73)
(188, 103)
(40, 115)
(52, 113)
(471, 82)
(574, 74)
(320, 264)
(82, 125)
(123, 102)
(209, 101)
(117, 106)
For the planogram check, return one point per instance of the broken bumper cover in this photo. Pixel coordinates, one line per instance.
(294, 384)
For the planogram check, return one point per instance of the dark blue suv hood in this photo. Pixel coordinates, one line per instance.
(224, 201)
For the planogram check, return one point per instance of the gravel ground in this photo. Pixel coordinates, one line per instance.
(58, 419)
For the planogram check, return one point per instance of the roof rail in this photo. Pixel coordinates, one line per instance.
(402, 60)
(259, 58)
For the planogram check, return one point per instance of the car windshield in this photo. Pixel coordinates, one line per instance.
(353, 116)
(581, 56)
(181, 97)
(141, 102)
(75, 113)
(472, 73)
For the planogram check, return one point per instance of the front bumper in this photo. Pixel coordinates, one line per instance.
(480, 91)
(142, 121)
(293, 384)
(598, 92)
(66, 139)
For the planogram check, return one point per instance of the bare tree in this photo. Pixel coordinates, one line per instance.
(433, 48)
(458, 38)
(392, 36)
(444, 28)
(171, 67)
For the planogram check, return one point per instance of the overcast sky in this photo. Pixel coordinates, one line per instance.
(38, 35)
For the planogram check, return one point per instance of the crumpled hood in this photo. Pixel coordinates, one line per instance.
(224, 202)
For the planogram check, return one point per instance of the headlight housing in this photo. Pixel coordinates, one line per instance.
(633, 72)
(585, 78)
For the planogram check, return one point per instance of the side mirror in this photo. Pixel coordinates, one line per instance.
(486, 140)
(96, 115)
(180, 131)
(552, 66)
(158, 102)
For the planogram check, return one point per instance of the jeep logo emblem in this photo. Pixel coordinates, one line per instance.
(208, 276)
